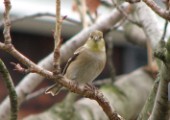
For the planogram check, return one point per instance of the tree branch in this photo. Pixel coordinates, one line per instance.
(161, 108)
(11, 90)
(122, 100)
(148, 106)
(161, 12)
(57, 39)
(149, 23)
(82, 10)
(7, 23)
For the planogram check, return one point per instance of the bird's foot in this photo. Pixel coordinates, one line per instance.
(74, 86)
(89, 87)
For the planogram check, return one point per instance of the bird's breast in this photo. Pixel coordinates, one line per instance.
(86, 67)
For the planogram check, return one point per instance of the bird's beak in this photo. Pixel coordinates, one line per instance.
(96, 38)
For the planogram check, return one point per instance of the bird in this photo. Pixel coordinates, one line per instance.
(87, 62)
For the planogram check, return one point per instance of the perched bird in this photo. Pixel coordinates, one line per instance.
(86, 64)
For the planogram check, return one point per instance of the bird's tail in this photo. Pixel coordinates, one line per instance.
(54, 89)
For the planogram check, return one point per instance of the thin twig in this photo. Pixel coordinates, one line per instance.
(19, 68)
(84, 11)
(90, 16)
(11, 90)
(166, 23)
(119, 24)
(57, 39)
(133, 1)
(7, 23)
(36, 94)
(149, 53)
(110, 64)
(165, 30)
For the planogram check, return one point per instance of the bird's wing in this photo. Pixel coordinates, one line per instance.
(75, 55)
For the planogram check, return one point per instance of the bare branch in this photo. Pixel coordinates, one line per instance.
(36, 94)
(110, 64)
(7, 23)
(165, 30)
(147, 108)
(11, 90)
(57, 40)
(149, 53)
(82, 9)
(133, 1)
(19, 68)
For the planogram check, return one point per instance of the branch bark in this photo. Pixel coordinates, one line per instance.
(160, 11)
(126, 101)
(149, 23)
(147, 108)
(7, 22)
(57, 40)
(11, 90)
(161, 106)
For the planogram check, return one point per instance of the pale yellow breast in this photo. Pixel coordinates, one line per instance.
(87, 68)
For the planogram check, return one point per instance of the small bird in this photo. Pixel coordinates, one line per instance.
(86, 64)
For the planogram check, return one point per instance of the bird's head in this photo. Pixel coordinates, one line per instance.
(95, 41)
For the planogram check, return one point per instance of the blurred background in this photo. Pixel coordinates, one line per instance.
(33, 36)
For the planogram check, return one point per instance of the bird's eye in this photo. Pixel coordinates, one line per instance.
(91, 36)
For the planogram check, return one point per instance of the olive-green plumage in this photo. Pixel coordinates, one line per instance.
(86, 64)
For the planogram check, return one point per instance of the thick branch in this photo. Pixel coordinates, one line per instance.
(147, 108)
(149, 23)
(135, 34)
(11, 90)
(161, 12)
(161, 108)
